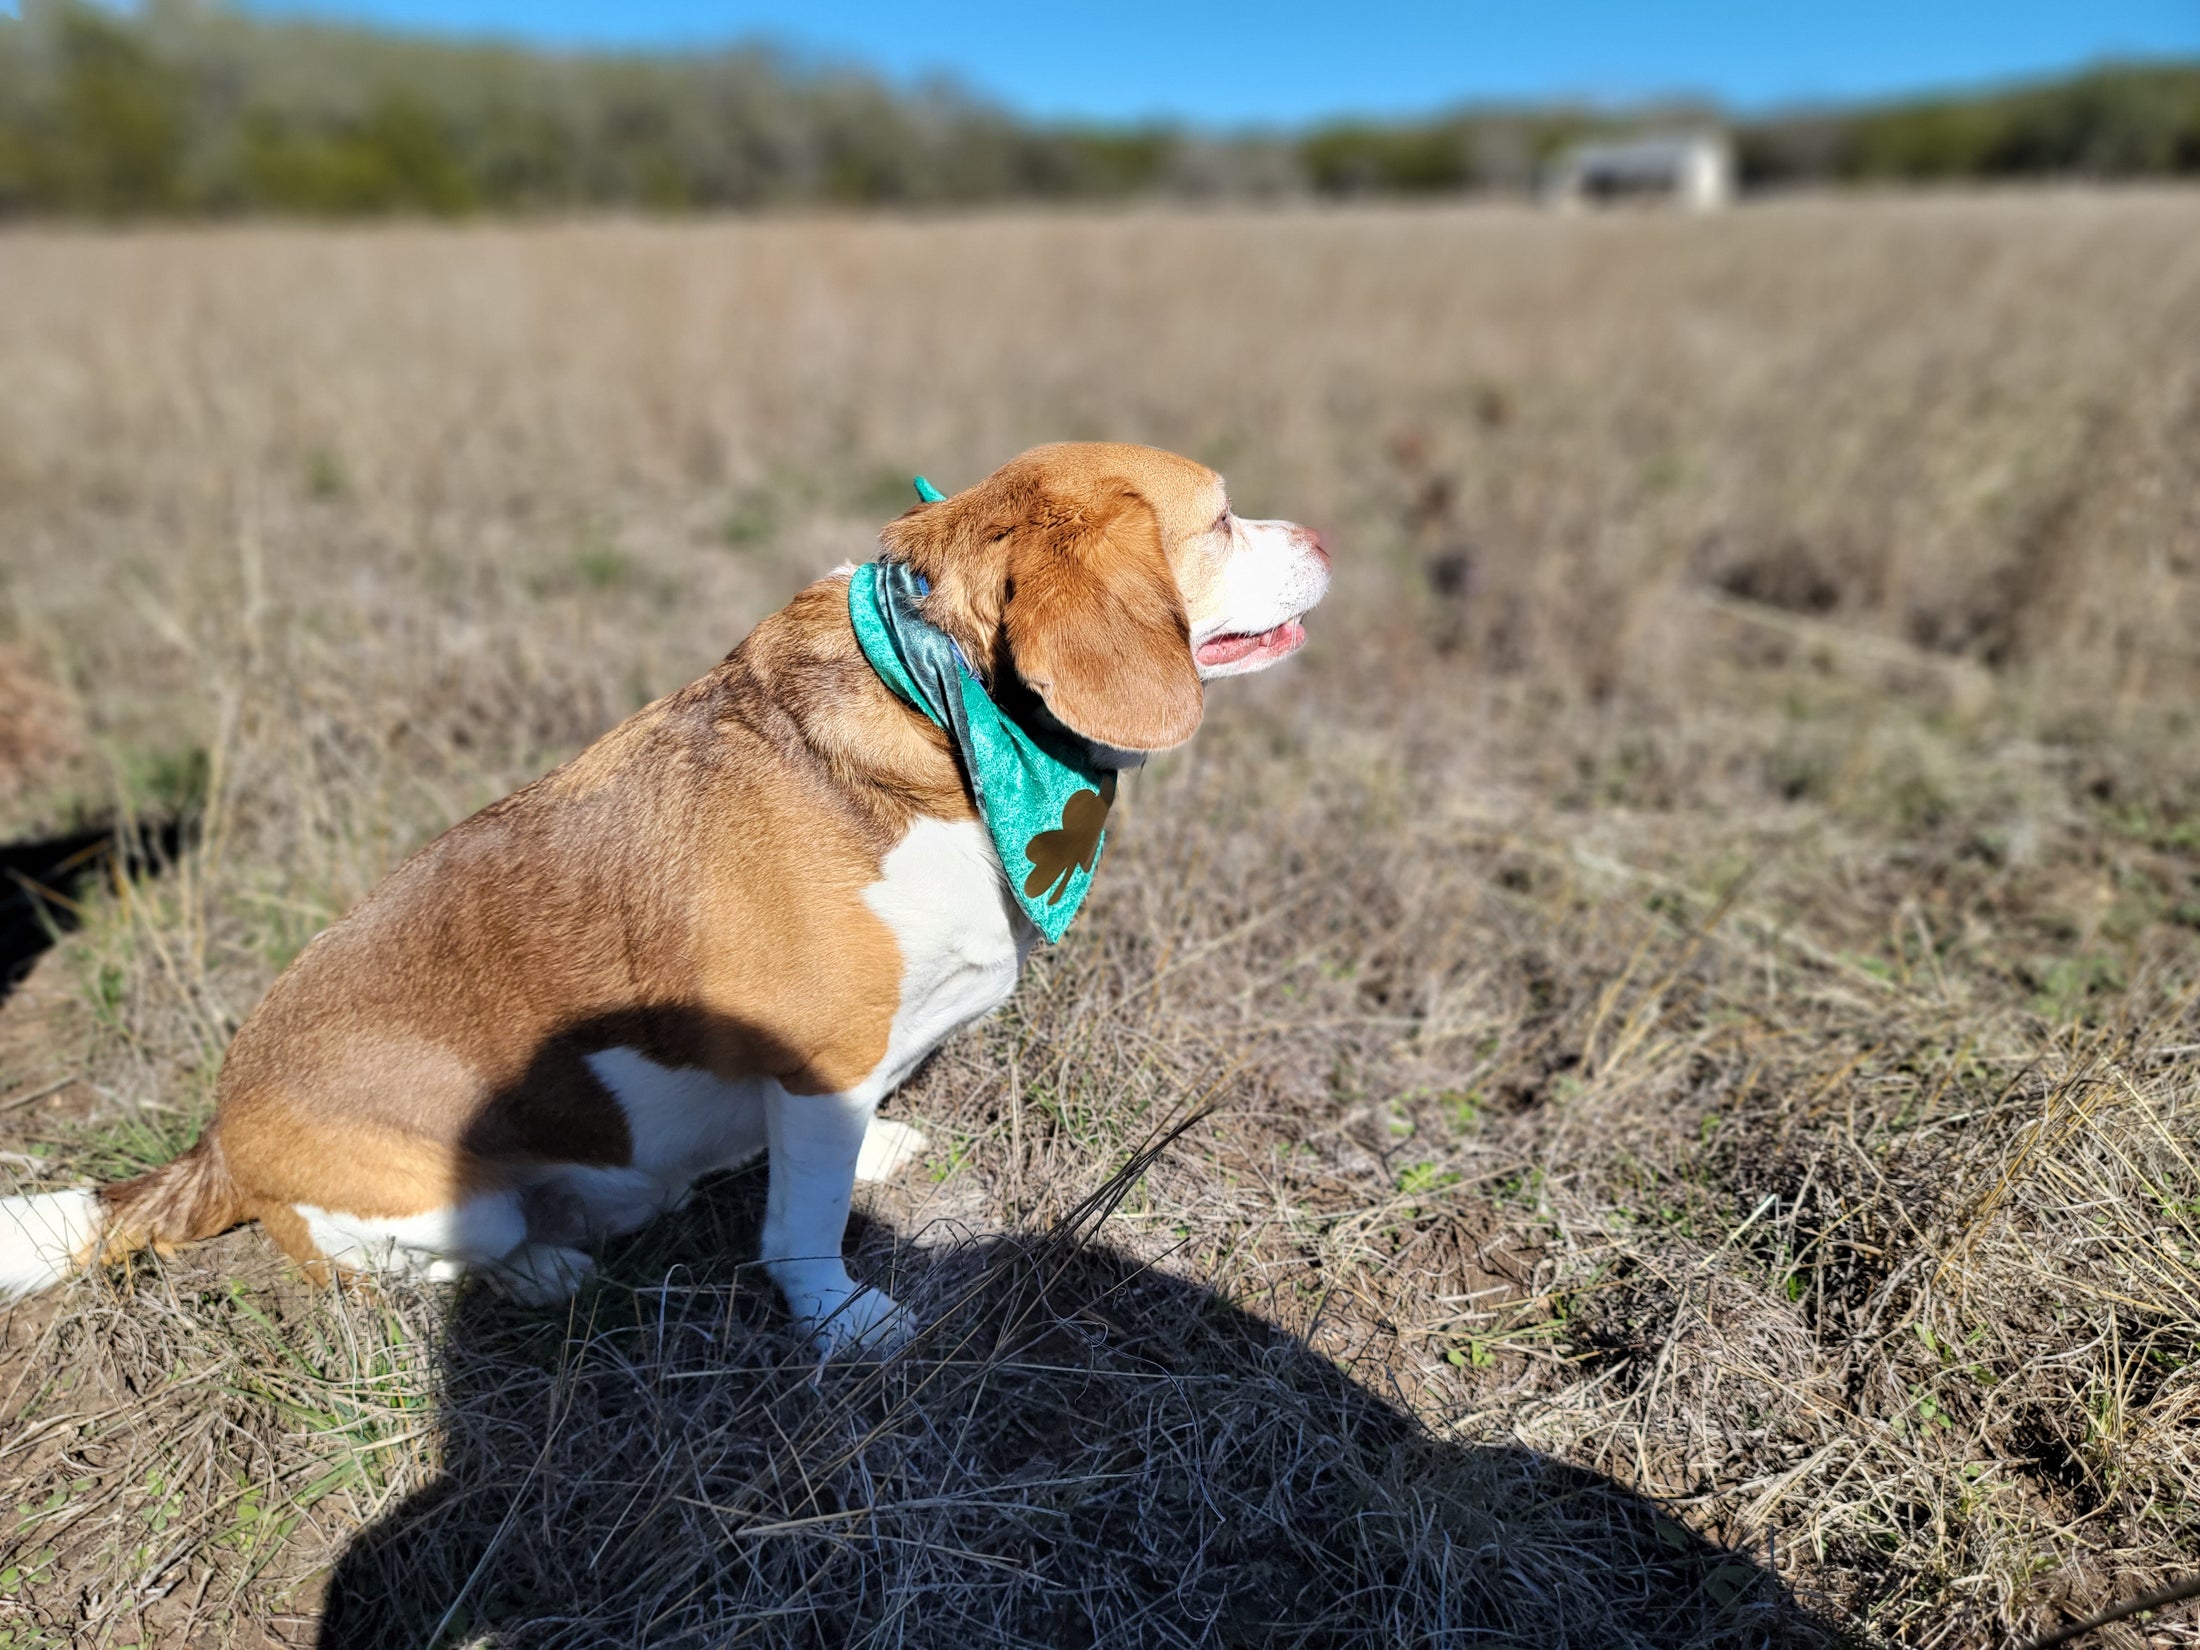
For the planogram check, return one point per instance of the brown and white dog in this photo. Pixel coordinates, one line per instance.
(732, 925)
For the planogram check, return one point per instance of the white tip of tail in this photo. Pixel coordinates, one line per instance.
(44, 1238)
(888, 1148)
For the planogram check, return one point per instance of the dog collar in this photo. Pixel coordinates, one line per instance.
(1042, 797)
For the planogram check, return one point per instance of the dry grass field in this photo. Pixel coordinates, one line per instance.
(1642, 1092)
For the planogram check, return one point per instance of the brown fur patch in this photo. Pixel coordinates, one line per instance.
(288, 1228)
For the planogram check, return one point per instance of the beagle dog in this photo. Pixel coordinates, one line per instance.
(730, 926)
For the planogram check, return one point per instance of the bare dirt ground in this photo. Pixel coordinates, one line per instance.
(1682, 1004)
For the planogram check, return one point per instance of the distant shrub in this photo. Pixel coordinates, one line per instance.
(399, 158)
(1365, 159)
(2109, 122)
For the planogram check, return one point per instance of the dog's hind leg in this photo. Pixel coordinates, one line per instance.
(888, 1148)
(436, 1244)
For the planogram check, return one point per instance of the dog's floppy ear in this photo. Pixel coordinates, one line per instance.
(1094, 624)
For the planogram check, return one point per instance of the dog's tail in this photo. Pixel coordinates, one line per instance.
(46, 1236)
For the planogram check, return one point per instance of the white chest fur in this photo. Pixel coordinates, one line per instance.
(962, 937)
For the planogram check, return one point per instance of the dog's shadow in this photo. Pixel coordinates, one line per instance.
(1081, 1450)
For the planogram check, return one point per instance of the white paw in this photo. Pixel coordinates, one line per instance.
(840, 1316)
(541, 1274)
(888, 1148)
(869, 1323)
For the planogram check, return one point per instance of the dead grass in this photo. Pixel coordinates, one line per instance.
(1686, 993)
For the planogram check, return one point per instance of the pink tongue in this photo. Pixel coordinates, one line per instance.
(1228, 650)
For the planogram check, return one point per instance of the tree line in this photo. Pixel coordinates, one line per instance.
(185, 108)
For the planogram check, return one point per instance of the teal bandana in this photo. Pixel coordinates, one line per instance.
(1042, 797)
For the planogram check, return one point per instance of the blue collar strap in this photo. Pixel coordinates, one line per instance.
(1042, 797)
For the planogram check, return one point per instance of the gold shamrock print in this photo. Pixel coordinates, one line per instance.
(1057, 855)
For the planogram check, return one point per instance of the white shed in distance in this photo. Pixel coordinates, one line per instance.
(1690, 170)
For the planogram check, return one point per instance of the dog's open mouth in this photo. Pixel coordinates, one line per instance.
(1238, 646)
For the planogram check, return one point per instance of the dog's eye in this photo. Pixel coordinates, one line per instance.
(1220, 523)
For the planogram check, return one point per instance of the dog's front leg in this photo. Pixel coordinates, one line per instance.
(816, 1140)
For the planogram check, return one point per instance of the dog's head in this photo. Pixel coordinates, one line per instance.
(1111, 581)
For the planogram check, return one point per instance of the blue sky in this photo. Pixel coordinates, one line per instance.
(1228, 63)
